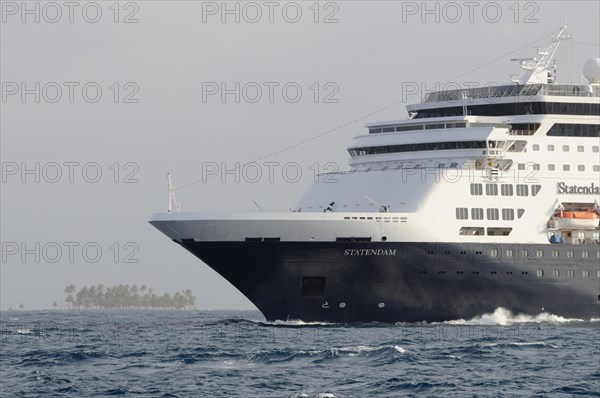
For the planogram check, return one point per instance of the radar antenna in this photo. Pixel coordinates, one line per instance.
(540, 71)
(172, 199)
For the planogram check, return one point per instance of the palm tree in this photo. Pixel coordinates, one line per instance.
(190, 299)
(93, 292)
(135, 298)
(100, 296)
(69, 291)
(178, 301)
(124, 297)
(165, 301)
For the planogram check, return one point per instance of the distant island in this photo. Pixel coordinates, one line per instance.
(126, 297)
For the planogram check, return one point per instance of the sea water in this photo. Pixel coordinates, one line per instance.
(238, 354)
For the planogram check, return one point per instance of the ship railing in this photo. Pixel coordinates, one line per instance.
(521, 132)
(493, 91)
(569, 90)
(514, 90)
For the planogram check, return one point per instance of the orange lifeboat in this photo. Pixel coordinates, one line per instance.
(576, 219)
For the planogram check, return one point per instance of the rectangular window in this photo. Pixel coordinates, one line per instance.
(508, 214)
(491, 189)
(539, 253)
(566, 167)
(585, 254)
(596, 167)
(585, 273)
(492, 214)
(536, 166)
(565, 148)
(595, 149)
(462, 213)
(506, 189)
(477, 213)
(539, 273)
(410, 127)
(570, 253)
(580, 167)
(536, 147)
(551, 167)
(476, 189)
(580, 148)
(555, 273)
(551, 148)
(471, 231)
(521, 166)
(522, 190)
(571, 273)
(535, 189)
(509, 252)
(555, 253)
(493, 253)
(499, 231)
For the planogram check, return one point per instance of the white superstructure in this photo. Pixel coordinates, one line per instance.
(488, 164)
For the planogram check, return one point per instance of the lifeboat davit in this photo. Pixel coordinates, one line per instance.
(577, 219)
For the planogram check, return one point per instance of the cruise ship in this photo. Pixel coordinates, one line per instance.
(482, 198)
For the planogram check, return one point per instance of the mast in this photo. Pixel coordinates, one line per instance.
(171, 190)
(539, 71)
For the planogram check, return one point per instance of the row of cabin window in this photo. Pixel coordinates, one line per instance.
(479, 231)
(552, 167)
(566, 148)
(570, 273)
(516, 108)
(416, 127)
(540, 273)
(567, 167)
(540, 253)
(505, 189)
(574, 130)
(462, 213)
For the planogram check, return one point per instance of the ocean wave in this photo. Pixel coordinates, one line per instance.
(297, 322)
(359, 349)
(61, 357)
(275, 324)
(521, 344)
(319, 355)
(502, 316)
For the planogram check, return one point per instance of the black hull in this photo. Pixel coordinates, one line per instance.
(406, 282)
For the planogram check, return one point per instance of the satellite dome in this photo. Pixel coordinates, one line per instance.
(591, 70)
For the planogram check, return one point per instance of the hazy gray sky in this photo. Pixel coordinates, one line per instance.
(158, 64)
